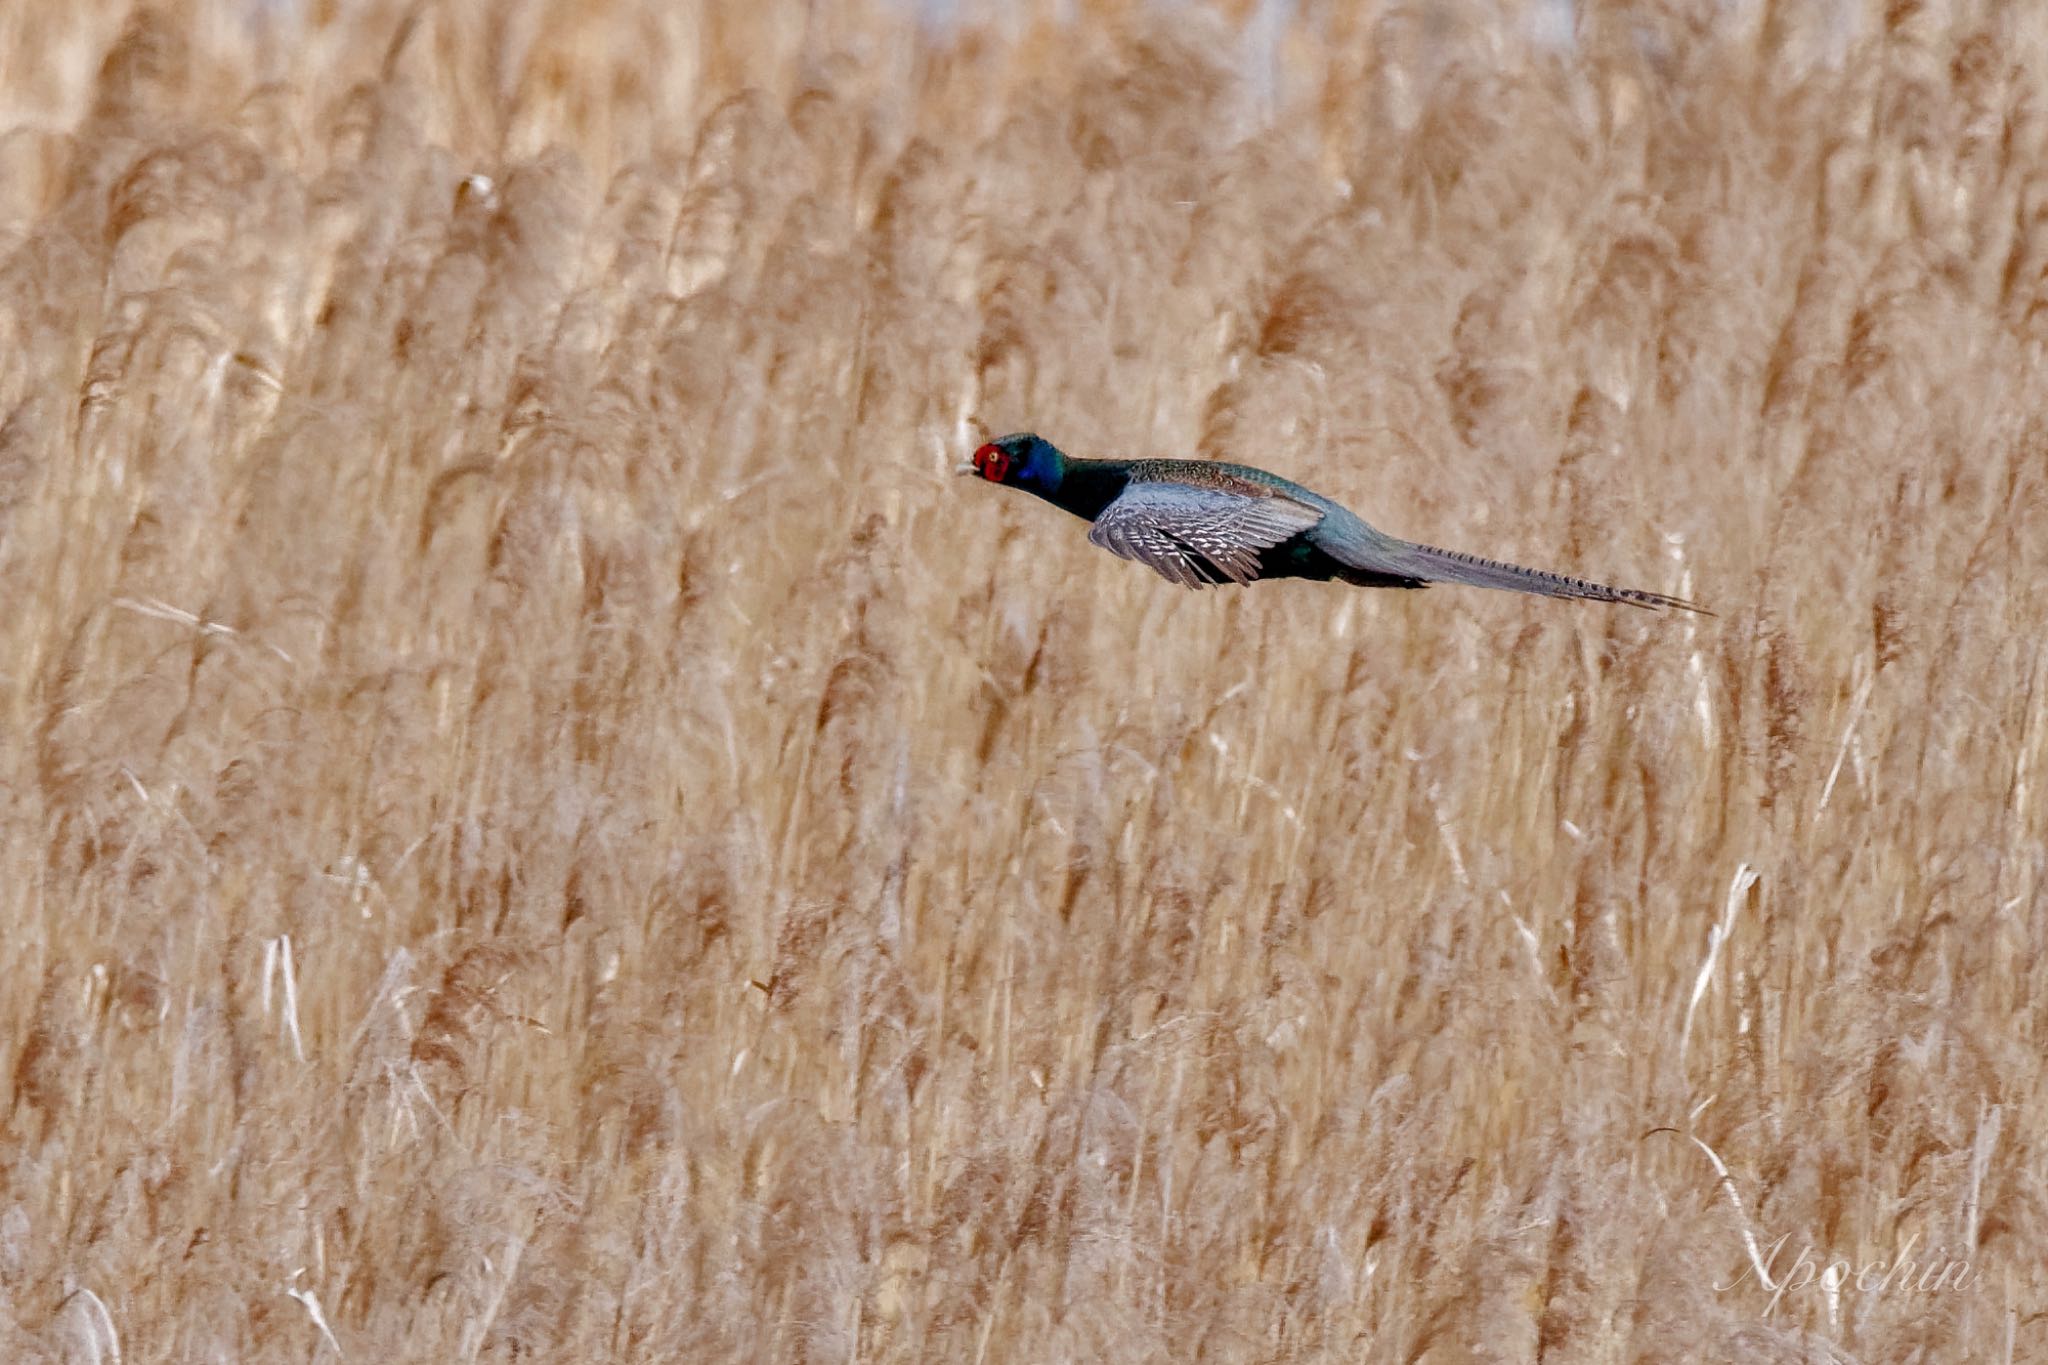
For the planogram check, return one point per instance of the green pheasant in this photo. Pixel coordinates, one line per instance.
(1198, 523)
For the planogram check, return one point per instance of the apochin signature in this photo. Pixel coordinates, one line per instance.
(1901, 1273)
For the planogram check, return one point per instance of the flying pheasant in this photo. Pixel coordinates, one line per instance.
(1198, 523)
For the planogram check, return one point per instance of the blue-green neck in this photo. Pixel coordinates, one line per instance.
(1083, 487)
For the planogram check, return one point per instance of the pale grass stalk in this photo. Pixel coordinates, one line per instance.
(95, 1326)
(1856, 706)
(392, 987)
(164, 611)
(310, 1301)
(1531, 942)
(2026, 760)
(1702, 698)
(1989, 1119)
(405, 1082)
(1171, 1111)
(277, 965)
(1130, 1205)
(477, 1328)
(1004, 1004)
(1447, 833)
(1727, 1184)
(1717, 936)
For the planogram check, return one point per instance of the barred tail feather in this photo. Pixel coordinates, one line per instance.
(1432, 565)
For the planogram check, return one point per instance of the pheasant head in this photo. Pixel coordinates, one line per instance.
(1021, 460)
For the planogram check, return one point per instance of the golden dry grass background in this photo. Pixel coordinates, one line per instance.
(540, 823)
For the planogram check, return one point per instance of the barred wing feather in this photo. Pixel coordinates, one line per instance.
(1196, 536)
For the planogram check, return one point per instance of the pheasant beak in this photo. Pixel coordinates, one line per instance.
(965, 468)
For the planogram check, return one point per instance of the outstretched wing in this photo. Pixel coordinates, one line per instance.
(1196, 536)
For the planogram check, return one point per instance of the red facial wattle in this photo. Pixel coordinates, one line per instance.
(992, 463)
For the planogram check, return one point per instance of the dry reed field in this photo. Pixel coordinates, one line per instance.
(539, 821)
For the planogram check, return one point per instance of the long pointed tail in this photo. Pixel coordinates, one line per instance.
(1431, 565)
